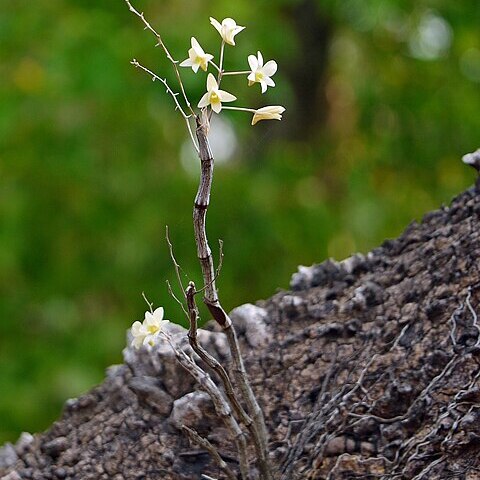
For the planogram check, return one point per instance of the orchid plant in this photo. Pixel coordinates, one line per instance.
(214, 98)
(236, 405)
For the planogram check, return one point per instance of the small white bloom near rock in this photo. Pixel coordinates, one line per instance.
(273, 112)
(227, 29)
(261, 73)
(197, 58)
(214, 97)
(146, 333)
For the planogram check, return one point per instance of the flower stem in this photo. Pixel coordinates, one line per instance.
(243, 72)
(216, 66)
(240, 109)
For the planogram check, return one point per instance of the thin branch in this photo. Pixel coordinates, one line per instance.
(204, 443)
(219, 267)
(150, 304)
(222, 408)
(172, 294)
(175, 263)
(165, 49)
(214, 364)
(174, 95)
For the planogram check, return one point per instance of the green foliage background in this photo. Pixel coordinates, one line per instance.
(382, 100)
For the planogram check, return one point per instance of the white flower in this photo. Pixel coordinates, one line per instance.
(197, 58)
(227, 29)
(146, 333)
(273, 112)
(139, 333)
(261, 73)
(214, 96)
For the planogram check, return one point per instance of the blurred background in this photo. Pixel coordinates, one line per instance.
(382, 98)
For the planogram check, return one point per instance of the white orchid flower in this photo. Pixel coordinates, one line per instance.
(261, 73)
(214, 97)
(139, 333)
(273, 112)
(146, 333)
(197, 58)
(227, 29)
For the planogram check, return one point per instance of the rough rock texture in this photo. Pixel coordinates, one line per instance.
(368, 368)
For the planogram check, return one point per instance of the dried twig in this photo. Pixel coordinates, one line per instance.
(204, 443)
(165, 49)
(221, 406)
(172, 94)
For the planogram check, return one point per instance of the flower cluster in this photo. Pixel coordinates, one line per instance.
(146, 333)
(259, 72)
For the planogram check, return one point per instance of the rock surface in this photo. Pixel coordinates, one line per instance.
(369, 368)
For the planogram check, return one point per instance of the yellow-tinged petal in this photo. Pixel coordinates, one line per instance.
(273, 112)
(216, 106)
(261, 73)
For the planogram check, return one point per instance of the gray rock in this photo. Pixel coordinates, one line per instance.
(250, 321)
(8, 456)
(190, 410)
(150, 394)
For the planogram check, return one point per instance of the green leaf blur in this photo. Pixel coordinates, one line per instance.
(382, 98)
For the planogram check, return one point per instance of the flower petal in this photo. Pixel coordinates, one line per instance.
(269, 81)
(253, 62)
(226, 97)
(211, 83)
(186, 63)
(204, 101)
(270, 68)
(216, 107)
(197, 48)
(260, 59)
(137, 328)
(229, 23)
(264, 86)
(137, 342)
(158, 313)
(216, 24)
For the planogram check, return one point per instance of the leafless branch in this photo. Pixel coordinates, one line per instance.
(174, 95)
(165, 49)
(221, 406)
(204, 443)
